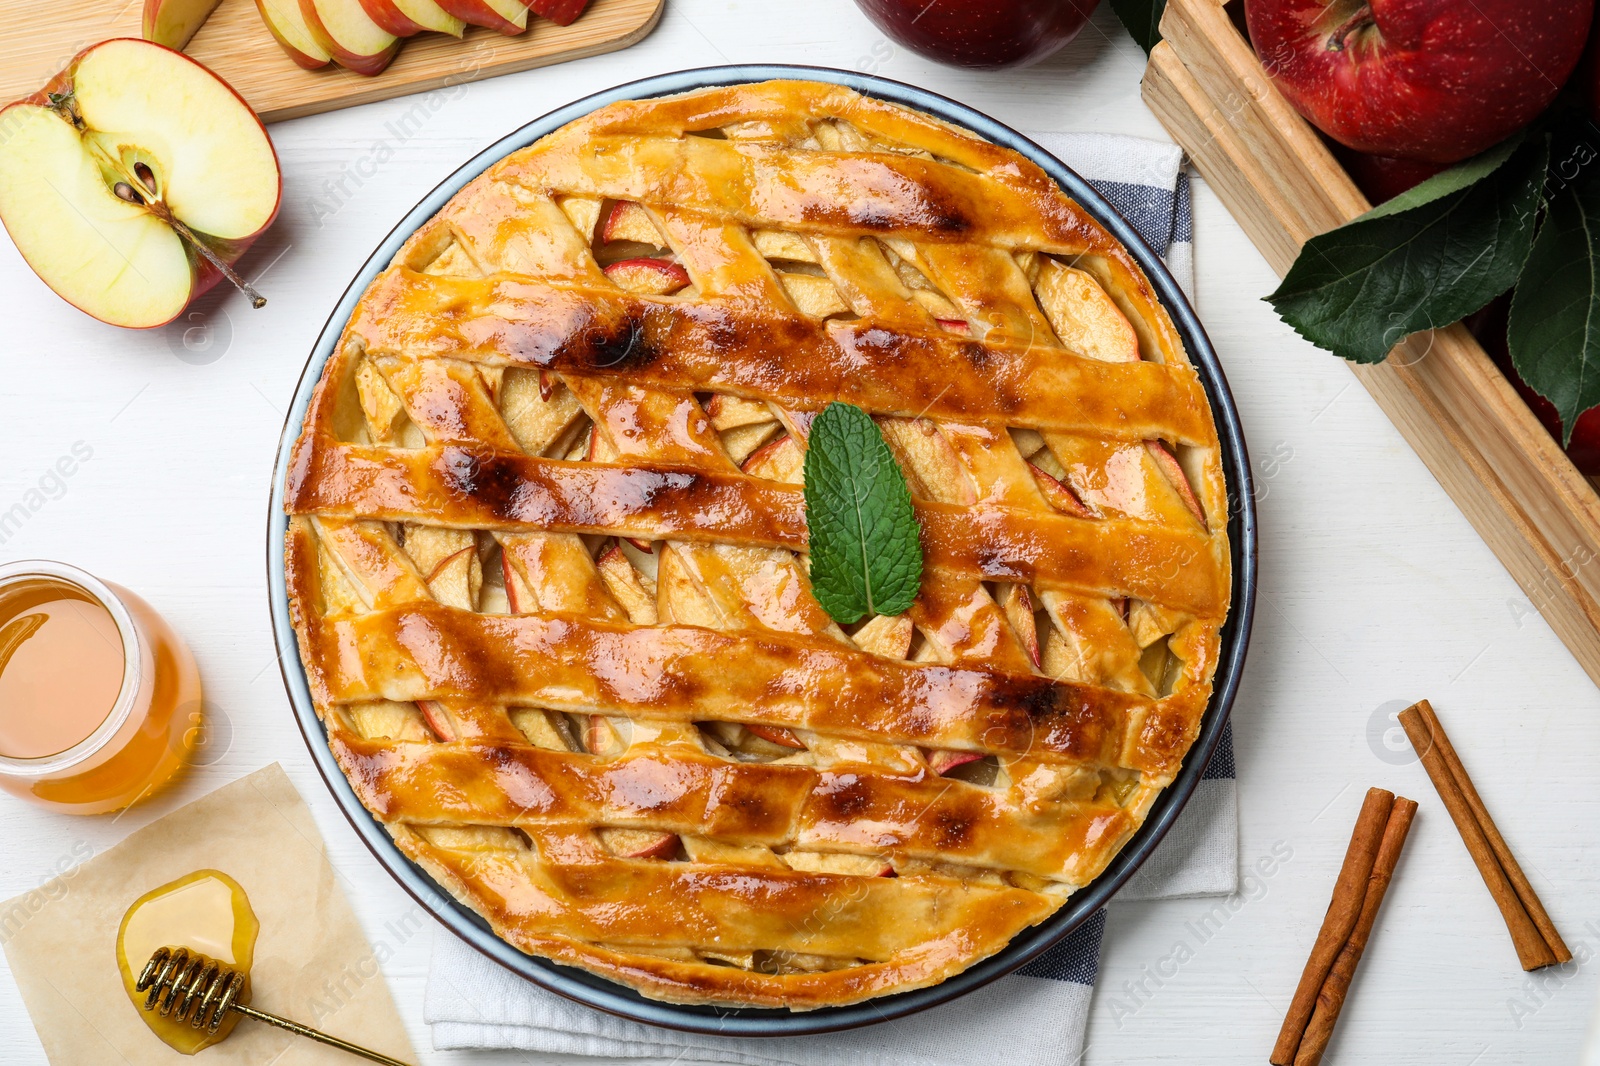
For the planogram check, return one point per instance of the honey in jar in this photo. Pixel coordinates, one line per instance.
(99, 699)
(207, 912)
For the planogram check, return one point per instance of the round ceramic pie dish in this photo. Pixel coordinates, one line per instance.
(321, 606)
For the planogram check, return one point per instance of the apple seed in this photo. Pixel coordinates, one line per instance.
(125, 191)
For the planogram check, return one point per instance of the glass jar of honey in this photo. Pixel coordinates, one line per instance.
(99, 698)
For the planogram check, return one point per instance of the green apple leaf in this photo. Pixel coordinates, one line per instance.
(865, 555)
(1463, 174)
(1143, 19)
(1358, 290)
(1554, 330)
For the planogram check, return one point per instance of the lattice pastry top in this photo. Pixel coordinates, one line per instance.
(547, 555)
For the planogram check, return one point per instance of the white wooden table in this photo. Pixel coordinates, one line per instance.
(1374, 589)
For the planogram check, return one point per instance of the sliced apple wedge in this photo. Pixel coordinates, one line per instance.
(1058, 494)
(287, 24)
(1018, 607)
(777, 734)
(509, 17)
(1087, 320)
(639, 843)
(780, 460)
(943, 761)
(173, 22)
(347, 33)
(438, 720)
(649, 277)
(406, 18)
(629, 221)
(838, 863)
(134, 180)
(1169, 466)
(562, 12)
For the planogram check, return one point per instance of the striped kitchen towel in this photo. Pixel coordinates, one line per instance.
(1036, 1016)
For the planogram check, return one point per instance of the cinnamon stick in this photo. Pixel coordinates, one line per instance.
(1502, 850)
(1535, 938)
(1330, 1001)
(1343, 912)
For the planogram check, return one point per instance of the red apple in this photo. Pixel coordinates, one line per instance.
(1588, 77)
(134, 180)
(981, 33)
(1435, 80)
(1489, 327)
(1383, 177)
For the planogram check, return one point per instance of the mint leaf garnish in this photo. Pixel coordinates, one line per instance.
(865, 556)
(1449, 247)
(1554, 331)
(1142, 18)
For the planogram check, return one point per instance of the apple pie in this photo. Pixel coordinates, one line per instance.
(547, 553)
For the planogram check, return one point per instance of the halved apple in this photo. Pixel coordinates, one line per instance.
(287, 24)
(404, 18)
(509, 17)
(173, 22)
(134, 180)
(343, 29)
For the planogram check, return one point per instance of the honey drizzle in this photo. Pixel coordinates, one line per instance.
(206, 911)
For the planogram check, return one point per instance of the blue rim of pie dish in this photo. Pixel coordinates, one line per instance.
(606, 995)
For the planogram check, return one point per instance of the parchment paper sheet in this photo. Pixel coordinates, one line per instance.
(313, 962)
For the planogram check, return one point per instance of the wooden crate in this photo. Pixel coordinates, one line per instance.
(1277, 177)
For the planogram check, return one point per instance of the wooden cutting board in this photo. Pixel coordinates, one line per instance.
(40, 37)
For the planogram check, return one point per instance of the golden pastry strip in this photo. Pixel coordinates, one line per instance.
(681, 673)
(622, 902)
(466, 489)
(851, 809)
(725, 347)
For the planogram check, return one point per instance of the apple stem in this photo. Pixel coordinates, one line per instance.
(256, 299)
(1341, 33)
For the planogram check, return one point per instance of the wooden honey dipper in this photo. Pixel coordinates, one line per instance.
(187, 986)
